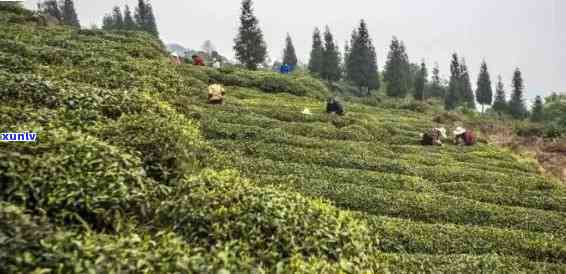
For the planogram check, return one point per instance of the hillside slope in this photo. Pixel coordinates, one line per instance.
(134, 172)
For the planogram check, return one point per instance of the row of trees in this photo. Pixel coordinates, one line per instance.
(64, 11)
(143, 19)
(358, 66)
(325, 56)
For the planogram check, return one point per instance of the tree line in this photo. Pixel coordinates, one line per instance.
(143, 19)
(64, 11)
(358, 66)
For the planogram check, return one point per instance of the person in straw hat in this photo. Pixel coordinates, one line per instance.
(464, 136)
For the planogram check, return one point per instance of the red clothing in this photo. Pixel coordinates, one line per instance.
(198, 61)
(469, 138)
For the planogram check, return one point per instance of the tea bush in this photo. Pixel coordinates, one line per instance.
(404, 236)
(73, 177)
(169, 144)
(114, 184)
(218, 208)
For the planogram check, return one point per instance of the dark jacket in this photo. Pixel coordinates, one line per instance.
(334, 106)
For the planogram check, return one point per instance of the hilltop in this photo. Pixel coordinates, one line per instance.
(133, 172)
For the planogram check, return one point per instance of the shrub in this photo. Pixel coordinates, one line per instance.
(416, 106)
(73, 177)
(217, 208)
(19, 233)
(408, 263)
(554, 130)
(27, 89)
(170, 145)
(447, 118)
(530, 131)
(405, 236)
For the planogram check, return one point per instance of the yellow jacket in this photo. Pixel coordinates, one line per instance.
(215, 92)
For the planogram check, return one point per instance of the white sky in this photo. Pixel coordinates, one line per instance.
(530, 34)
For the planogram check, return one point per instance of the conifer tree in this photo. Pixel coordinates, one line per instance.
(436, 88)
(151, 24)
(517, 107)
(69, 14)
(129, 23)
(537, 114)
(467, 98)
(140, 15)
(331, 58)
(51, 7)
(289, 56)
(117, 19)
(250, 47)
(107, 22)
(145, 18)
(317, 53)
(397, 70)
(420, 83)
(484, 93)
(452, 98)
(345, 61)
(500, 102)
(362, 60)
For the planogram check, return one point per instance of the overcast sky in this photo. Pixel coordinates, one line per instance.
(530, 34)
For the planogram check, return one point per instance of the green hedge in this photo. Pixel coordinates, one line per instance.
(404, 236)
(73, 177)
(217, 208)
(433, 207)
(467, 264)
(169, 144)
(269, 82)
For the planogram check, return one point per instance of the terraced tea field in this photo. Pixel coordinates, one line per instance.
(421, 200)
(133, 172)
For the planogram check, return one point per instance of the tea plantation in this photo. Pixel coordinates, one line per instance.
(134, 173)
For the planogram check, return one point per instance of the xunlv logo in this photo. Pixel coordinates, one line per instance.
(18, 137)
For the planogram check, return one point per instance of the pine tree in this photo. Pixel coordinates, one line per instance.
(484, 93)
(362, 60)
(345, 61)
(289, 55)
(500, 103)
(51, 7)
(250, 47)
(452, 98)
(151, 23)
(317, 53)
(537, 114)
(117, 19)
(331, 58)
(420, 83)
(397, 70)
(145, 18)
(129, 23)
(69, 14)
(108, 22)
(436, 88)
(140, 15)
(467, 98)
(517, 107)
